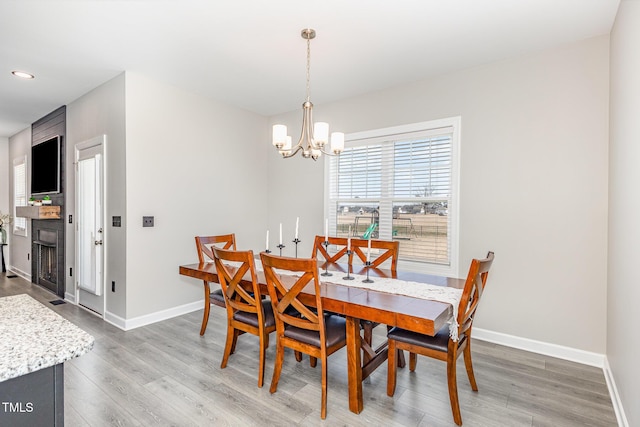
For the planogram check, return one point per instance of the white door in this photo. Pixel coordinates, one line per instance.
(90, 236)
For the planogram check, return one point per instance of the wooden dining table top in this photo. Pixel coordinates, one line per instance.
(419, 315)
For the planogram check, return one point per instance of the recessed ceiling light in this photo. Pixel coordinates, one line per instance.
(22, 75)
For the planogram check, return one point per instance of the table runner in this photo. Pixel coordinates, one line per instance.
(427, 291)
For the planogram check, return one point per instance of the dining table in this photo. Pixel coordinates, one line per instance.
(356, 304)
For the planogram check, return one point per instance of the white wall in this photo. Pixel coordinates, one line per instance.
(198, 167)
(623, 294)
(102, 111)
(533, 183)
(20, 246)
(5, 185)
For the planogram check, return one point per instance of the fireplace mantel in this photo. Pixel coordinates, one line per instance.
(38, 212)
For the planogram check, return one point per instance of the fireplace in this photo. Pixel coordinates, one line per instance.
(48, 255)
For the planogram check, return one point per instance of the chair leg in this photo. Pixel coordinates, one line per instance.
(313, 361)
(469, 365)
(263, 350)
(453, 388)
(298, 355)
(236, 334)
(229, 346)
(401, 361)
(323, 407)
(391, 369)
(207, 307)
(367, 337)
(413, 361)
(277, 368)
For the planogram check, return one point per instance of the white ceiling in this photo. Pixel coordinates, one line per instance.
(249, 53)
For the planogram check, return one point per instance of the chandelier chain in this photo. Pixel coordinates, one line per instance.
(308, 67)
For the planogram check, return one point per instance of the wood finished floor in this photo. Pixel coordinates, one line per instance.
(166, 374)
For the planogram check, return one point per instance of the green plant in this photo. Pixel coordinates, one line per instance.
(46, 198)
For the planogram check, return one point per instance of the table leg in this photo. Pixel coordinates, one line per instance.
(354, 365)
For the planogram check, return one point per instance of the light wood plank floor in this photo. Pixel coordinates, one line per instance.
(166, 374)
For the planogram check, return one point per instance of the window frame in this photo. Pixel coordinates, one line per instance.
(19, 230)
(396, 132)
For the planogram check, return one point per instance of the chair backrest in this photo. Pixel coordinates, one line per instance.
(384, 250)
(230, 277)
(204, 244)
(319, 248)
(472, 292)
(284, 291)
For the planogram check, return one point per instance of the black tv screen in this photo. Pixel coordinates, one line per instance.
(45, 167)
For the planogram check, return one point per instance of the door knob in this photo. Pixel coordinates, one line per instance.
(98, 242)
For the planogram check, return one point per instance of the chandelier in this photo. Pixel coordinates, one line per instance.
(314, 136)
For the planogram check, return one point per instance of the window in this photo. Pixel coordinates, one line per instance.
(19, 194)
(401, 183)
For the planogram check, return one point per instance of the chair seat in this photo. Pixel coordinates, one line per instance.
(216, 297)
(335, 327)
(438, 342)
(252, 318)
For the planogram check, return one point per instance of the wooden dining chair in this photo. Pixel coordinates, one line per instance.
(441, 346)
(301, 326)
(246, 310)
(320, 251)
(384, 251)
(205, 254)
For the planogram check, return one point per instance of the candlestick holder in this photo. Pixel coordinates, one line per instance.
(267, 251)
(326, 264)
(367, 265)
(296, 241)
(281, 247)
(348, 276)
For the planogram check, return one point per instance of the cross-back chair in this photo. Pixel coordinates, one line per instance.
(205, 254)
(319, 250)
(301, 323)
(441, 346)
(246, 310)
(384, 250)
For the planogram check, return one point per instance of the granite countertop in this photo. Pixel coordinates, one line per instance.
(34, 337)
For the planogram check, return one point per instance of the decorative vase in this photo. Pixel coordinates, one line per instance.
(3, 235)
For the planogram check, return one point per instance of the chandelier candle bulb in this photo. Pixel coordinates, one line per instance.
(321, 133)
(267, 241)
(349, 239)
(279, 135)
(280, 233)
(297, 224)
(337, 142)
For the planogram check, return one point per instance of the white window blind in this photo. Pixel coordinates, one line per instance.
(401, 184)
(19, 194)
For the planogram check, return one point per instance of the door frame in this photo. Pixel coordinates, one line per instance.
(100, 140)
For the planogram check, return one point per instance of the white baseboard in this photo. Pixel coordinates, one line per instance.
(147, 319)
(23, 274)
(615, 397)
(70, 297)
(554, 350)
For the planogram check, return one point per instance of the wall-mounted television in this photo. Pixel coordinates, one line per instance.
(45, 167)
